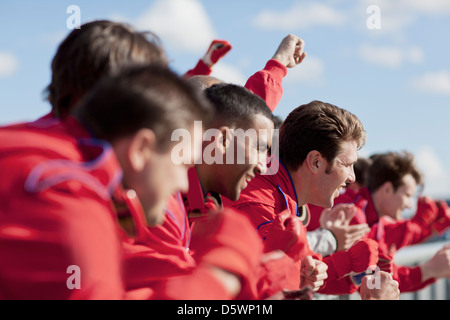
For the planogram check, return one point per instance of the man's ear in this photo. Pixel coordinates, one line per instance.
(142, 146)
(387, 188)
(314, 161)
(225, 138)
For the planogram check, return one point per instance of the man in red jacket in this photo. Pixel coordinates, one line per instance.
(392, 183)
(318, 147)
(172, 239)
(62, 182)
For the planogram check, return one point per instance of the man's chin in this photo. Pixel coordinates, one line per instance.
(234, 195)
(329, 203)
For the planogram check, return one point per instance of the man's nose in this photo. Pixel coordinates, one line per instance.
(261, 167)
(352, 176)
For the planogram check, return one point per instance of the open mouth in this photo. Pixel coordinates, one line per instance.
(246, 181)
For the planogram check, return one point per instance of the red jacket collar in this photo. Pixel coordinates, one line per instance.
(94, 163)
(285, 184)
(195, 195)
(197, 202)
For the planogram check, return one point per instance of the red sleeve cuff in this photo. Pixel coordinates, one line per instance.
(201, 69)
(410, 279)
(276, 69)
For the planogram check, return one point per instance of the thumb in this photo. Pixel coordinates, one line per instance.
(293, 224)
(341, 216)
(308, 265)
(350, 212)
(282, 217)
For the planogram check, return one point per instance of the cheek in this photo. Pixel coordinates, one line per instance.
(237, 173)
(241, 154)
(339, 177)
(394, 204)
(398, 202)
(163, 177)
(181, 182)
(175, 178)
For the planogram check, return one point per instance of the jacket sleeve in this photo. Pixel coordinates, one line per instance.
(410, 278)
(145, 265)
(398, 234)
(200, 69)
(200, 284)
(405, 233)
(258, 213)
(277, 274)
(338, 286)
(267, 83)
(415, 230)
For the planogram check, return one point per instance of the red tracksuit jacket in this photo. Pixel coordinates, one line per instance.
(266, 197)
(389, 233)
(56, 213)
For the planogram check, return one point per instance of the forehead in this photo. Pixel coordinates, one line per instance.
(261, 122)
(409, 184)
(348, 152)
(263, 128)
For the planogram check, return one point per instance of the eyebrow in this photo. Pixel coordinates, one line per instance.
(347, 163)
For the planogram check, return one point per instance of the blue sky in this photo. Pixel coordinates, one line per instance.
(395, 78)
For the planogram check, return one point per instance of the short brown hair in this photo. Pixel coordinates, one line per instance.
(152, 97)
(361, 166)
(97, 49)
(235, 106)
(392, 167)
(317, 126)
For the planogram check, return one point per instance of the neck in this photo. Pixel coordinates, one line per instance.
(376, 199)
(299, 186)
(203, 176)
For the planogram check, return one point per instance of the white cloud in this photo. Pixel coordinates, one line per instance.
(300, 16)
(8, 64)
(433, 82)
(432, 7)
(396, 15)
(181, 24)
(437, 179)
(390, 56)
